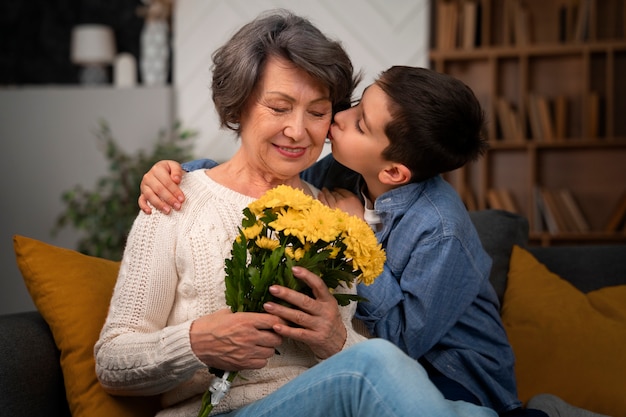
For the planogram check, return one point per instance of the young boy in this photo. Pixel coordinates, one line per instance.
(434, 299)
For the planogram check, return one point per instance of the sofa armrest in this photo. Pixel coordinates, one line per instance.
(31, 380)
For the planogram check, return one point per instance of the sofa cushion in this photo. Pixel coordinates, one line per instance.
(72, 292)
(498, 231)
(566, 342)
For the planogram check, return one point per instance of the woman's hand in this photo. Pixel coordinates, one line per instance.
(159, 186)
(321, 326)
(232, 342)
(342, 199)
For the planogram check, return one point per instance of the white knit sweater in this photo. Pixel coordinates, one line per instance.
(172, 273)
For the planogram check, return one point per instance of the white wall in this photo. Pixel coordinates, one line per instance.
(47, 146)
(376, 34)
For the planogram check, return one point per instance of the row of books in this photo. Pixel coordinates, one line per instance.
(575, 20)
(558, 211)
(547, 118)
(501, 199)
(459, 22)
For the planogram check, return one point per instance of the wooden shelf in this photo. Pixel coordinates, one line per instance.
(530, 74)
(539, 50)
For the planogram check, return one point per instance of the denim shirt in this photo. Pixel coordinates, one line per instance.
(433, 299)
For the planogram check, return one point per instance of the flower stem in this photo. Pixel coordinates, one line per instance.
(219, 386)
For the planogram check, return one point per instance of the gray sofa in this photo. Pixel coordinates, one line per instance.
(31, 381)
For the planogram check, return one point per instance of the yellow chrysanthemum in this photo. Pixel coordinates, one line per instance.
(373, 267)
(321, 224)
(264, 242)
(291, 223)
(296, 254)
(253, 231)
(281, 196)
(363, 248)
(334, 251)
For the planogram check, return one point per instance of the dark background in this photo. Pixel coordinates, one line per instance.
(35, 36)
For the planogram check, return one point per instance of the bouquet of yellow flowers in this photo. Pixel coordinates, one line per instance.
(287, 228)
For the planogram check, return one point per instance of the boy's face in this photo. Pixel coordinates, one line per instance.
(357, 135)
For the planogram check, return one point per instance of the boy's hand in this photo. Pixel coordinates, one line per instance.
(159, 186)
(342, 199)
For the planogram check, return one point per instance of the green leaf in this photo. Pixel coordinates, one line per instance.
(345, 299)
(249, 219)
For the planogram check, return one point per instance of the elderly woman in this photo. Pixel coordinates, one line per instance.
(276, 83)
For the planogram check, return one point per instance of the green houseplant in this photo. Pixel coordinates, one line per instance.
(106, 213)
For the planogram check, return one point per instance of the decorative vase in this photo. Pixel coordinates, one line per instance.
(154, 52)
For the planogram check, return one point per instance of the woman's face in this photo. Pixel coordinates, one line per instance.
(286, 119)
(358, 134)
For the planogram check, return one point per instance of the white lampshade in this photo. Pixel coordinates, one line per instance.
(92, 44)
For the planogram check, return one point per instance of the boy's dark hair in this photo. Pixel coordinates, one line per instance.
(437, 122)
(238, 64)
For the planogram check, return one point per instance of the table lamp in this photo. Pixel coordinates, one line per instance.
(93, 48)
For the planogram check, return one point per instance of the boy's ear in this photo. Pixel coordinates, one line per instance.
(395, 174)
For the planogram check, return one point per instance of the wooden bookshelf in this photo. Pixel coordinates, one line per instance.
(558, 72)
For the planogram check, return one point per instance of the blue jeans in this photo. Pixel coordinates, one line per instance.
(371, 379)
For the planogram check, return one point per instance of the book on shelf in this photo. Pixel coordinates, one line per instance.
(618, 216)
(447, 24)
(570, 20)
(516, 23)
(493, 200)
(560, 211)
(509, 119)
(545, 118)
(521, 23)
(593, 112)
(573, 210)
(544, 215)
(501, 199)
(557, 222)
(536, 132)
(540, 118)
(508, 202)
(560, 118)
(469, 22)
(537, 223)
(583, 20)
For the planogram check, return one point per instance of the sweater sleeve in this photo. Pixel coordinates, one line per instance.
(138, 353)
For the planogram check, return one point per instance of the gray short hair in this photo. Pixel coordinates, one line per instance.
(237, 65)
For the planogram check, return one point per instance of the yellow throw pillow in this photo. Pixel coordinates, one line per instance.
(566, 343)
(72, 292)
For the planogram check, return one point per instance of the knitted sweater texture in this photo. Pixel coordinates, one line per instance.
(171, 274)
